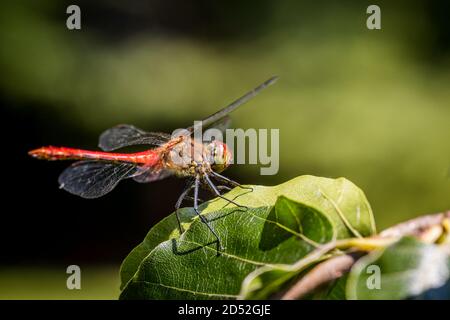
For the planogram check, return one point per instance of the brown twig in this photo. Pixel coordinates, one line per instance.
(416, 226)
(323, 273)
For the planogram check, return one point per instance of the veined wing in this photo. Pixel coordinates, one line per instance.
(222, 124)
(146, 175)
(93, 179)
(127, 135)
(234, 105)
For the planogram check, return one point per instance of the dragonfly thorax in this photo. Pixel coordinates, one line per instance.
(189, 157)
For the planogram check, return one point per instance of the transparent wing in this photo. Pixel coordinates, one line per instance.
(126, 135)
(93, 179)
(234, 105)
(222, 124)
(150, 175)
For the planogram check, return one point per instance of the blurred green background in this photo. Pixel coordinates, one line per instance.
(369, 105)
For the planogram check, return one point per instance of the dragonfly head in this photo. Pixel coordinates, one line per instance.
(219, 156)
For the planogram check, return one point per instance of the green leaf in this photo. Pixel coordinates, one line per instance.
(282, 225)
(407, 268)
(334, 291)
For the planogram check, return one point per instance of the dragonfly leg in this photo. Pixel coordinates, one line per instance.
(217, 192)
(223, 188)
(192, 199)
(202, 218)
(179, 202)
(229, 181)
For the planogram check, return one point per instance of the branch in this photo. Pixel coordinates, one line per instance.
(427, 228)
(323, 273)
(415, 227)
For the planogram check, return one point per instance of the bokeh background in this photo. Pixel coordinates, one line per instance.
(369, 105)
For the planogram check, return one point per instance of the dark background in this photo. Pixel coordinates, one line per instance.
(162, 64)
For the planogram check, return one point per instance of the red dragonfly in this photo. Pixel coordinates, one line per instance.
(99, 172)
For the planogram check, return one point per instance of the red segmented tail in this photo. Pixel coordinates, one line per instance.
(149, 157)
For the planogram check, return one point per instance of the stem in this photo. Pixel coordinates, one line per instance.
(429, 228)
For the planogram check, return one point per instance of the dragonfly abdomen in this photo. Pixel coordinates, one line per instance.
(148, 158)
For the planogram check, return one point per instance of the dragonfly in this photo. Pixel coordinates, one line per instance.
(98, 172)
